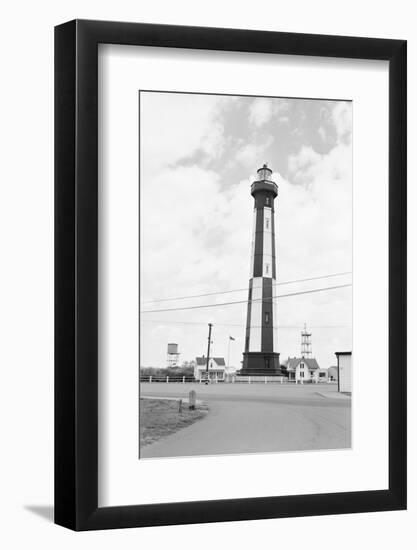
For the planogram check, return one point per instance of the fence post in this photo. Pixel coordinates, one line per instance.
(265, 379)
(282, 379)
(183, 379)
(249, 380)
(167, 379)
(150, 379)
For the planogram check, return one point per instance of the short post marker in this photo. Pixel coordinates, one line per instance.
(192, 400)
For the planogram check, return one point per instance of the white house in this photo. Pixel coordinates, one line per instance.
(321, 375)
(344, 367)
(303, 369)
(216, 369)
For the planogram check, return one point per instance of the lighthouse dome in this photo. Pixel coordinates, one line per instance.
(264, 183)
(264, 173)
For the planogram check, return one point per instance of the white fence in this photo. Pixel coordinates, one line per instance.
(228, 380)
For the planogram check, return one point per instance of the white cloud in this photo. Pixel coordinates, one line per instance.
(303, 163)
(176, 125)
(314, 224)
(252, 154)
(322, 133)
(342, 119)
(263, 110)
(193, 241)
(260, 111)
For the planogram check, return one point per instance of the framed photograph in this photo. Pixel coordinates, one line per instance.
(230, 275)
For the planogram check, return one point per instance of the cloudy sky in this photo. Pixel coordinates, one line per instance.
(199, 156)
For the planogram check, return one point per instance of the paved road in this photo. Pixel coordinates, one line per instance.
(250, 418)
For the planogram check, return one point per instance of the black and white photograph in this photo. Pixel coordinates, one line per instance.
(208, 236)
(245, 274)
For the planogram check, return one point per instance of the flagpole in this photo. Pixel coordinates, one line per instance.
(228, 354)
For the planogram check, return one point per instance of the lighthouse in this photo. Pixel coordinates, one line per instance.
(261, 355)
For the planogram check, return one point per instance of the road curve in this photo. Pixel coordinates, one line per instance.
(256, 418)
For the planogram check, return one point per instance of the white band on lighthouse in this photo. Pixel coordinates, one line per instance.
(255, 335)
(267, 243)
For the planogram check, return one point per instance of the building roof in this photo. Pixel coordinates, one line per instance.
(293, 362)
(218, 360)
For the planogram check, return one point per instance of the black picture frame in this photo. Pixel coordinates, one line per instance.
(76, 272)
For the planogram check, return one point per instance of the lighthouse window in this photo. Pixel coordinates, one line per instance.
(267, 223)
(267, 201)
(266, 317)
(266, 268)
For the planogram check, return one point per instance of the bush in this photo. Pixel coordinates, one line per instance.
(174, 372)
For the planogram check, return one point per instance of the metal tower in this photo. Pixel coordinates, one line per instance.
(306, 350)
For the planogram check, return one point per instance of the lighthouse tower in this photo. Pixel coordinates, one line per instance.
(261, 355)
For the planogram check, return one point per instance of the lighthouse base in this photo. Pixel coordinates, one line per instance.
(260, 364)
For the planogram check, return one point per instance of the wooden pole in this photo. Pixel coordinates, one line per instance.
(208, 351)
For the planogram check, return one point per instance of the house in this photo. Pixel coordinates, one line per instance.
(303, 369)
(321, 375)
(344, 367)
(216, 369)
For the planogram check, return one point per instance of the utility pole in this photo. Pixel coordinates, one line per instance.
(208, 351)
(231, 339)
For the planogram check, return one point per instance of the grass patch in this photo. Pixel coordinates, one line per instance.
(160, 417)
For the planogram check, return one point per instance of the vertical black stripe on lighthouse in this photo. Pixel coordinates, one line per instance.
(259, 242)
(267, 337)
(248, 318)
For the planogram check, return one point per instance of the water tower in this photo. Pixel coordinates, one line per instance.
(173, 355)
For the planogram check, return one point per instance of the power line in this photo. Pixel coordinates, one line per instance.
(202, 323)
(168, 322)
(245, 301)
(243, 289)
